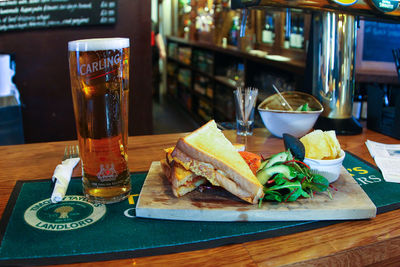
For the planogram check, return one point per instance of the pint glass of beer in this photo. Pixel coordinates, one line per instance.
(99, 71)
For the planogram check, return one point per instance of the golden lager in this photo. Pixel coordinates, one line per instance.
(99, 71)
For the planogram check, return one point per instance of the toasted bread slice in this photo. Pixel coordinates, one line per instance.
(207, 152)
(182, 180)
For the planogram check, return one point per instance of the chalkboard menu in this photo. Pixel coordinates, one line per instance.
(31, 14)
(379, 40)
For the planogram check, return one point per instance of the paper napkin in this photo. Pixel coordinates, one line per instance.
(61, 177)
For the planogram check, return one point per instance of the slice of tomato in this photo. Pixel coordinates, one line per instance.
(253, 160)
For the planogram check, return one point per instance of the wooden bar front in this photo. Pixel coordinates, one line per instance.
(351, 243)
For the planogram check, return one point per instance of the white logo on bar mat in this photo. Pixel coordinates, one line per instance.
(72, 213)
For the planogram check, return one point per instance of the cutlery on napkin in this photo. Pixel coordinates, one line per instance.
(62, 173)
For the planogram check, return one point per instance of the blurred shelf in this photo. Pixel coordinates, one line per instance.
(216, 64)
(226, 81)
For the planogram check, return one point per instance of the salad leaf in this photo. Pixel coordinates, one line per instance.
(273, 196)
(303, 183)
(287, 189)
(318, 183)
(304, 107)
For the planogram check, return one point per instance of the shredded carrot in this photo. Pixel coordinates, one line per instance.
(253, 160)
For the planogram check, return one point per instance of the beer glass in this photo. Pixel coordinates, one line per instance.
(99, 72)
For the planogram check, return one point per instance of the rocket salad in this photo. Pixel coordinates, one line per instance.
(286, 179)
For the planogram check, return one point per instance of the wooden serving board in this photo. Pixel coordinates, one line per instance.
(157, 201)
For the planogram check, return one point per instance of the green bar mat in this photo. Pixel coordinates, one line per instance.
(34, 232)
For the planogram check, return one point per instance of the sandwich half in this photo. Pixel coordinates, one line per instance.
(183, 181)
(207, 153)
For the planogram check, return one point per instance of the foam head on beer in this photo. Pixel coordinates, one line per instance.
(98, 44)
(101, 63)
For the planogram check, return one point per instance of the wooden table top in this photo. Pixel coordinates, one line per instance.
(351, 243)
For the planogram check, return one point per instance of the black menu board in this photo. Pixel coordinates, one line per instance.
(379, 40)
(33, 14)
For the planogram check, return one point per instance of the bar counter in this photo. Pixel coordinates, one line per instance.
(351, 243)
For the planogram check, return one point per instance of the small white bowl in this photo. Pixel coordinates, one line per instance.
(297, 123)
(329, 168)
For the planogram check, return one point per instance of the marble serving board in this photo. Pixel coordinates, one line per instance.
(157, 201)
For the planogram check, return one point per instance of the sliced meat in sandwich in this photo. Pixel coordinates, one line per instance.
(182, 180)
(206, 152)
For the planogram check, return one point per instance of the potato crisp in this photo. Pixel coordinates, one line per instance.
(321, 145)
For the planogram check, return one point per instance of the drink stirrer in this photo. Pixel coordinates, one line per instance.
(281, 96)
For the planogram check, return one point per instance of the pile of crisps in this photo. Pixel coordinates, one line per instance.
(321, 145)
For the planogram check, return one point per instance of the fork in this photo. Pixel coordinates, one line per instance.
(62, 173)
(71, 152)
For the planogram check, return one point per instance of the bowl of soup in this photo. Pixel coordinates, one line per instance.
(298, 120)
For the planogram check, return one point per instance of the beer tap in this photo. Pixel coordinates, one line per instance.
(332, 51)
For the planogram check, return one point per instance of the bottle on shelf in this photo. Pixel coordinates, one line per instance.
(239, 77)
(357, 102)
(268, 33)
(226, 4)
(293, 32)
(234, 31)
(297, 32)
(286, 43)
(364, 105)
(301, 32)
